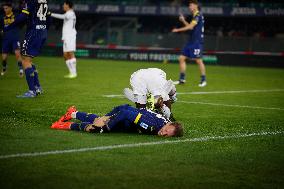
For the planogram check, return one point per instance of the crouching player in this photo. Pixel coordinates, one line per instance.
(122, 118)
(152, 90)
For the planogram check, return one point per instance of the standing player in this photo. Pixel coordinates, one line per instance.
(121, 119)
(194, 48)
(10, 42)
(35, 14)
(69, 37)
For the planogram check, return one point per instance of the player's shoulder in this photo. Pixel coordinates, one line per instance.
(71, 12)
(198, 14)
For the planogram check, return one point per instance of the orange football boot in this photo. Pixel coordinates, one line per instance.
(67, 115)
(61, 125)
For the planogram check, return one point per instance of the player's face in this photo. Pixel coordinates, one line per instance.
(192, 7)
(7, 10)
(66, 7)
(167, 131)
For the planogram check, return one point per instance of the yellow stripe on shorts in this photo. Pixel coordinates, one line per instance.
(137, 118)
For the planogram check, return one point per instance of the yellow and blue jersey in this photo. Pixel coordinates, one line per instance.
(38, 20)
(194, 47)
(127, 118)
(6, 21)
(36, 11)
(197, 34)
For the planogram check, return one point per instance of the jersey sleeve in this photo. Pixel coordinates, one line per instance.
(58, 16)
(27, 8)
(19, 19)
(69, 15)
(195, 19)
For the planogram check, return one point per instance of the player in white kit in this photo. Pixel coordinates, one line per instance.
(152, 83)
(68, 37)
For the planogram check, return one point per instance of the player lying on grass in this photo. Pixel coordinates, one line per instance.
(122, 118)
(151, 90)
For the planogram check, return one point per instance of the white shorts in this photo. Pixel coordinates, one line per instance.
(69, 44)
(144, 83)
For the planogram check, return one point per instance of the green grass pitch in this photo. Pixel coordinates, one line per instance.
(240, 162)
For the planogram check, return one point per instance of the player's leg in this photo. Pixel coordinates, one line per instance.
(69, 47)
(29, 72)
(4, 63)
(139, 87)
(36, 81)
(72, 113)
(68, 63)
(31, 48)
(83, 126)
(182, 69)
(35, 52)
(6, 49)
(16, 50)
(19, 61)
(202, 69)
(84, 117)
(73, 62)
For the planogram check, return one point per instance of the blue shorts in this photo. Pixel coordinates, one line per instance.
(193, 51)
(10, 45)
(33, 43)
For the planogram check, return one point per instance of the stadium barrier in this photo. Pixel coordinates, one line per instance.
(167, 55)
(172, 10)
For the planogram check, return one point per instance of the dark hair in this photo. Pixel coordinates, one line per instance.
(8, 4)
(193, 1)
(69, 3)
(178, 129)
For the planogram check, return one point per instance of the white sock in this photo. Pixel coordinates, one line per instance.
(73, 61)
(68, 64)
(73, 115)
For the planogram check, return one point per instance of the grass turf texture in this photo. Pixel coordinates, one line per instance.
(253, 162)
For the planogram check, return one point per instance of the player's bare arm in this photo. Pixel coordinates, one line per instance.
(183, 20)
(186, 27)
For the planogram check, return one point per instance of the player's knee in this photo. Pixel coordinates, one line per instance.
(27, 62)
(181, 59)
(18, 55)
(4, 56)
(199, 61)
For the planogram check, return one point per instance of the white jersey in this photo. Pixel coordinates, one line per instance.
(151, 80)
(68, 30)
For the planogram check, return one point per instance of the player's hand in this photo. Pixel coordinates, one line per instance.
(175, 30)
(181, 18)
(101, 121)
(159, 103)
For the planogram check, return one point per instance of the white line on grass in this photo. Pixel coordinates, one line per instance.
(111, 147)
(230, 105)
(231, 92)
(211, 92)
